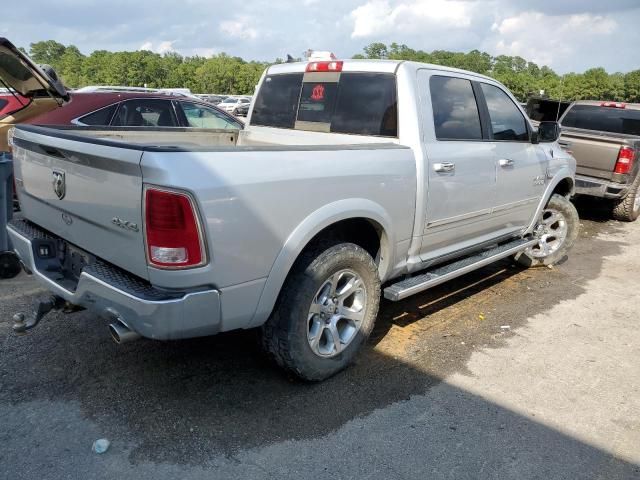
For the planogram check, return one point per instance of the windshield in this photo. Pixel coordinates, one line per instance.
(352, 103)
(603, 119)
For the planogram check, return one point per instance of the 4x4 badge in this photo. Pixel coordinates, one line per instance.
(59, 185)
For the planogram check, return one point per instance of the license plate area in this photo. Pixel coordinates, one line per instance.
(61, 261)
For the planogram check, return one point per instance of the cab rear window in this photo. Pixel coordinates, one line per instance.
(358, 104)
(603, 119)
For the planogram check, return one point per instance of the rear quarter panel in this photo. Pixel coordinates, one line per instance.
(259, 204)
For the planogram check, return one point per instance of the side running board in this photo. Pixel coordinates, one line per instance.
(441, 274)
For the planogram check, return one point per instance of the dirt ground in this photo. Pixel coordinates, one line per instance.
(504, 373)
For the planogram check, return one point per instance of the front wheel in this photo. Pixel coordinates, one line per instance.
(325, 312)
(556, 232)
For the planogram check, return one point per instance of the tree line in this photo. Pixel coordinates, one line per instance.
(217, 74)
(223, 73)
(523, 78)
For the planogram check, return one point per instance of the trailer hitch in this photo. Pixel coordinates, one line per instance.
(21, 324)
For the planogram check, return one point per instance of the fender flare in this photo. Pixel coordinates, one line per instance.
(560, 175)
(313, 224)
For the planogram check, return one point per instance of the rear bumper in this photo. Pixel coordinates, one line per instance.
(597, 187)
(115, 294)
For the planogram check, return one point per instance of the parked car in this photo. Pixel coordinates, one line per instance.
(137, 109)
(231, 104)
(242, 110)
(212, 99)
(604, 137)
(11, 103)
(38, 84)
(299, 222)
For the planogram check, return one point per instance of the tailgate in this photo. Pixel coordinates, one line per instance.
(89, 192)
(595, 154)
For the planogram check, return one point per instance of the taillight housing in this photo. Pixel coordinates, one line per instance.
(332, 66)
(613, 104)
(173, 234)
(624, 163)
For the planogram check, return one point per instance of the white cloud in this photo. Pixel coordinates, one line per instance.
(379, 17)
(570, 35)
(162, 47)
(239, 27)
(548, 39)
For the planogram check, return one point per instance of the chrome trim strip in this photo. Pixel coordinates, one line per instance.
(458, 218)
(520, 203)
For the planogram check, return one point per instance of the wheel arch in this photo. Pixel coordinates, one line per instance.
(562, 183)
(355, 220)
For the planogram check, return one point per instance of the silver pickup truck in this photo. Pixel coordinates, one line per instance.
(352, 179)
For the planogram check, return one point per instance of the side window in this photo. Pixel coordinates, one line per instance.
(277, 101)
(201, 116)
(507, 123)
(145, 113)
(99, 117)
(455, 111)
(366, 105)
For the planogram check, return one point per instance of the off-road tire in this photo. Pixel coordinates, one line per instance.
(627, 209)
(284, 335)
(568, 210)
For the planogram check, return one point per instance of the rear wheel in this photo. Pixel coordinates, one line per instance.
(556, 232)
(326, 311)
(628, 209)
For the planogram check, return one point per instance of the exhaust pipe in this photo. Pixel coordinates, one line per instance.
(121, 333)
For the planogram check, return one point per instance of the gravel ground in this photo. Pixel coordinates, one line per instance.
(504, 373)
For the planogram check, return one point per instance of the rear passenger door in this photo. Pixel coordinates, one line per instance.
(460, 168)
(520, 165)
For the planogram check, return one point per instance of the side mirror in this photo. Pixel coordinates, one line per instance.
(548, 131)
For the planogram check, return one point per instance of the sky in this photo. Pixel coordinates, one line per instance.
(567, 35)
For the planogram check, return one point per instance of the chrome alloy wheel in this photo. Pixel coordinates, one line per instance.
(636, 202)
(336, 314)
(551, 233)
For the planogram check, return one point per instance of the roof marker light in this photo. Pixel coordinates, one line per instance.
(334, 66)
(613, 104)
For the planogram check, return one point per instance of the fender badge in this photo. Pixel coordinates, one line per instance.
(59, 184)
(125, 224)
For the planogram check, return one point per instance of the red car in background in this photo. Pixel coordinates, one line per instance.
(12, 103)
(137, 109)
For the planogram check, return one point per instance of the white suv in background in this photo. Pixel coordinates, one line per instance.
(230, 104)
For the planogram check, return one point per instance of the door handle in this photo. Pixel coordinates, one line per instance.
(444, 167)
(506, 162)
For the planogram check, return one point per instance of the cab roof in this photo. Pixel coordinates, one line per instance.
(371, 65)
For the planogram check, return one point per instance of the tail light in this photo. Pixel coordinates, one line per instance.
(333, 66)
(624, 164)
(172, 232)
(613, 104)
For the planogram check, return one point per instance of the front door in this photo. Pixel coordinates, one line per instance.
(521, 166)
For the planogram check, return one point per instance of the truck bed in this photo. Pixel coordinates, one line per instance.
(596, 152)
(263, 185)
